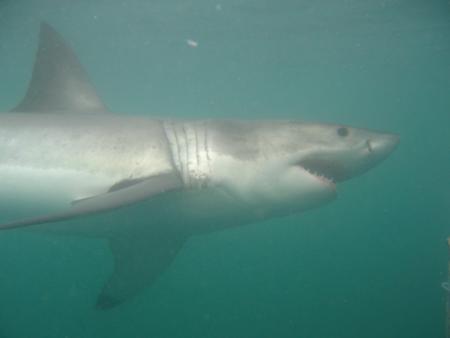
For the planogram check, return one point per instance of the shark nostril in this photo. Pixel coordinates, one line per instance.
(369, 146)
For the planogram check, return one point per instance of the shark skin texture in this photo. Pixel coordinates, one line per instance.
(146, 185)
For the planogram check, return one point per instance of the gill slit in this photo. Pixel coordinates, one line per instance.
(171, 134)
(208, 156)
(197, 153)
(187, 166)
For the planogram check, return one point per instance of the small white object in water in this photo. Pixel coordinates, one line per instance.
(218, 7)
(192, 43)
(446, 286)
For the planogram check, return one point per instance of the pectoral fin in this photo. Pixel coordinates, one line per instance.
(138, 261)
(115, 198)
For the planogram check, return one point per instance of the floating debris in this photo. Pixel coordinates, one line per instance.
(192, 43)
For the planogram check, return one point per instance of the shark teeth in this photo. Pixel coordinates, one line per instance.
(318, 175)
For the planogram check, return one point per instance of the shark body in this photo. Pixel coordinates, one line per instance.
(63, 155)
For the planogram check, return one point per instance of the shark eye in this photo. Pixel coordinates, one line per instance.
(342, 131)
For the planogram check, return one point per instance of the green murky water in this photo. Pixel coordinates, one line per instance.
(368, 265)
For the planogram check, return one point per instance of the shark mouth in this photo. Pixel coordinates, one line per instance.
(322, 170)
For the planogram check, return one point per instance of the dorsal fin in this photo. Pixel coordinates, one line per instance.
(59, 82)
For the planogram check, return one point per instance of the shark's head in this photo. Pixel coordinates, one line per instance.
(292, 165)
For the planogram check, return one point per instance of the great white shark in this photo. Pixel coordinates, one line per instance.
(147, 184)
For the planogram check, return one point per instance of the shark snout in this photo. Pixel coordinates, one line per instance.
(382, 145)
(371, 149)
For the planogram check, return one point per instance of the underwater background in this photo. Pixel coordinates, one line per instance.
(370, 264)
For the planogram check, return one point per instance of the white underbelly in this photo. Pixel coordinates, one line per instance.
(25, 191)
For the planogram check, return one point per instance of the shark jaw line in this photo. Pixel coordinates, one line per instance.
(322, 176)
